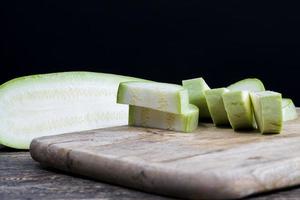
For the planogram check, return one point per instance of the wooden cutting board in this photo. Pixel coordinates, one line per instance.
(211, 163)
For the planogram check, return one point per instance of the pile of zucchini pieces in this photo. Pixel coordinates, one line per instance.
(244, 105)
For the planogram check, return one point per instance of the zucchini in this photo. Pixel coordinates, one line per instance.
(158, 96)
(147, 117)
(196, 88)
(267, 111)
(48, 104)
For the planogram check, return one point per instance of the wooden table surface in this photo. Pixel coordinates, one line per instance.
(23, 178)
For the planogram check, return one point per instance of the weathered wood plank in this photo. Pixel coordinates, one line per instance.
(22, 178)
(211, 163)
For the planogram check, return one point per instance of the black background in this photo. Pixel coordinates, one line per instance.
(168, 41)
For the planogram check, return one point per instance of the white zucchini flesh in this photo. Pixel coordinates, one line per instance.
(48, 104)
(267, 107)
(158, 96)
(248, 84)
(239, 109)
(289, 111)
(147, 117)
(216, 106)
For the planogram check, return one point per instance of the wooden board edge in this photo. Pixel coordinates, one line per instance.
(153, 179)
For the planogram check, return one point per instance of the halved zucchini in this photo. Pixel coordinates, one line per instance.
(48, 104)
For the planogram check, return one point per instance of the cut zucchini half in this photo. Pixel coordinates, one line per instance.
(289, 111)
(268, 111)
(49, 104)
(248, 84)
(216, 106)
(239, 109)
(158, 96)
(147, 117)
(196, 88)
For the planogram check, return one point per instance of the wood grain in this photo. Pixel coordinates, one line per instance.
(211, 163)
(22, 178)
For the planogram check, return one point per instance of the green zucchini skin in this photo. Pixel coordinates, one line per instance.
(289, 111)
(196, 88)
(248, 84)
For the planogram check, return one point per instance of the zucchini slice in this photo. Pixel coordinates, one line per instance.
(147, 117)
(289, 111)
(216, 106)
(158, 96)
(267, 111)
(249, 84)
(239, 109)
(196, 88)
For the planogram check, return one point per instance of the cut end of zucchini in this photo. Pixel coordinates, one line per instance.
(196, 88)
(159, 96)
(147, 117)
(268, 111)
(249, 84)
(289, 111)
(216, 106)
(239, 109)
